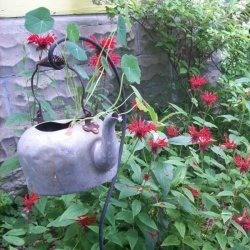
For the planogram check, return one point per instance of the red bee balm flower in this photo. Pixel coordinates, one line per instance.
(194, 192)
(157, 144)
(197, 81)
(141, 127)
(228, 144)
(243, 164)
(209, 98)
(85, 221)
(42, 42)
(244, 220)
(172, 131)
(108, 43)
(202, 137)
(29, 200)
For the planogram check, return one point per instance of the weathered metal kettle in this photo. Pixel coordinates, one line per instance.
(59, 158)
(63, 156)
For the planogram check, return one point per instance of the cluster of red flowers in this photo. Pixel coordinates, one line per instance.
(194, 192)
(157, 144)
(109, 45)
(202, 137)
(243, 164)
(84, 221)
(42, 41)
(140, 127)
(172, 131)
(208, 98)
(243, 220)
(29, 200)
(228, 144)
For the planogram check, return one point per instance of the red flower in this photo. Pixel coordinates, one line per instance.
(141, 127)
(108, 43)
(115, 58)
(194, 192)
(202, 137)
(157, 144)
(243, 164)
(146, 177)
(172, 131)
(29, 200)
(228, 144)
(244, 220)
(42, 42)
(197, 82)
(85, 221)
(95, 61)
(209, 98)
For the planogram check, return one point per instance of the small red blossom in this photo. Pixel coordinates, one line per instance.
(197, 82)
(140, 127)
(115, 58)
(228, 144)
(209, 98)
(146, 177)
(42, 41)
(108, 43)
(157, 144)
(244, 220)
(172, 131)
(243, 164)
(29, 200)
(85, 220)
(194, 192)
(202, 137)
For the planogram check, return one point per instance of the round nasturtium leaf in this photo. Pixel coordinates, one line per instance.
(38, 21)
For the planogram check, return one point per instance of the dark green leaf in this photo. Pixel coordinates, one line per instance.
(17, 232)
(14, 240)
(239, 227)
(202, 122)
(180, 226)
(183, 140)
(106, 65)
(146, 220)
(76, 51)
(130, 68)
(132, 237)
(225, 193)
(136, 207)
(125, 216)
(171, 240)
(226, 215)
(9, 165)
(39, 20)
(37, 229)
(73, 211)
(222, 239)
(73, 32)
(121, 31)
(209, 201)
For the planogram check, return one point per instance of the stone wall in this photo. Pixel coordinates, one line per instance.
(17, 60)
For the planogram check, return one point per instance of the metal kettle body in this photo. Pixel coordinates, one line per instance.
(59, 159)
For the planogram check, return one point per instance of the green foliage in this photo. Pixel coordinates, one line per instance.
(73, 32)
(39, 20)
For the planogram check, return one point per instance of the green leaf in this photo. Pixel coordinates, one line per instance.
(60, 223)
(106, 65)
(191, 242)
(125, 216)
(17, 119)
(136, 207)
(226, 215)
(121, 31)
(81, 71)
(73, 32)
(183, 70)
(136, 92)
(228, 118)
(207, 246)
(130, 68)
(9, 165)
(128, 191)
(179, 175)
(38, 21)
(180, 226)
(146, 220)
(209, 201)
(14, 240)
(73, 211)
(17, 232)
(182, 140)
(217, 150)
(153, 115)
(171, 240)
(222, 239)
(37, 229)
(225, 193)
(179, 109)
(241, 195)
(165, 205)
(202, 122)
(239, 227)
(76, 51)
(132, 237)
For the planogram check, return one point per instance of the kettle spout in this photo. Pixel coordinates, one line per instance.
(106, 150)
